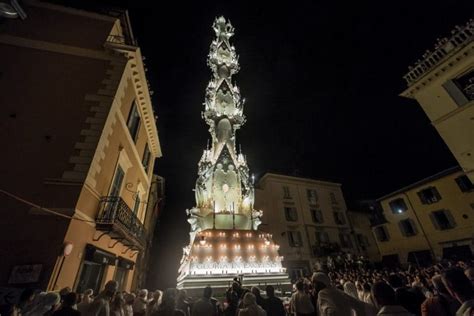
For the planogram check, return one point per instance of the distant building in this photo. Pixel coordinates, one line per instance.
(362, 231)
(432, 217)
(308, 219)
(80, 140)
(443, 84)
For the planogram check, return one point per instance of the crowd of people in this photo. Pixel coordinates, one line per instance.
(439, 290)
(445, 289)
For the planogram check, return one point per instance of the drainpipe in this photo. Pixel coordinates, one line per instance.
(421, 227)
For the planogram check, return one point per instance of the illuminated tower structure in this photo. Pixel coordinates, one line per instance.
(224, 240)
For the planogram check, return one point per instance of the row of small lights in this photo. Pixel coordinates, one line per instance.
(236, 246)
(235, 234)
(239, 258)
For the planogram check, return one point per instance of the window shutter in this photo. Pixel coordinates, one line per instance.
(436, 194)
(450, 217)
(300, 242)
(290, 239)
(434, 221)
(401, 226)
(422, 197)
(455, 93)
(415, 229)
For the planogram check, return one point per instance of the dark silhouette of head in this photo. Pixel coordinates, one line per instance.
(270, 291)
(395, 281)
(299, 285)
(383, 294)
(207, 292)
(458, 285)
(70, 299)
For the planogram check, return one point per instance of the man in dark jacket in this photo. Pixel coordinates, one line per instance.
(410, 298)
(273, 305)
(69, 300)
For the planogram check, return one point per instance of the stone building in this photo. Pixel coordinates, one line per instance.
(442, 82)
(80, 140)
(430, 219)
(309, 220)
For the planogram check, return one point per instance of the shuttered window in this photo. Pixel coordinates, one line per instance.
(294, 239)
(407, 227)
(291, 214)
(429, 195)
(317, 216)
(442, 219)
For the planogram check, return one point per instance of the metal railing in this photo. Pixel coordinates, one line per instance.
(116, 39)
(115, 215)
(460, 36)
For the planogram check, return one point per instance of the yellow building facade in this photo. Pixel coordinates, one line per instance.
(442, 82)
(308, 218)
(86, 150)
(433, 218)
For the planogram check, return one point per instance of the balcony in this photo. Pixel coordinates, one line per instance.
(117, 220)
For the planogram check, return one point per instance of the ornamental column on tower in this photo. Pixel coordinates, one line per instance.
(224, 189)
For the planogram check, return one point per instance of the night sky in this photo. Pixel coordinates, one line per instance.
(321, 82)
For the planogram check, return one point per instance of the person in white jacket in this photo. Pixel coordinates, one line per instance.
(334, 302)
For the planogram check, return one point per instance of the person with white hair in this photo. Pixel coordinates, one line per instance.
(101, 304)
(350, 289)
(46, 303)
(250, 306)
(141, 302)
(86, 301)
(334, 302)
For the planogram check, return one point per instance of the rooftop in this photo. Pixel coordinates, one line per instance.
(432, 178)
(296, 178)
(445, 47)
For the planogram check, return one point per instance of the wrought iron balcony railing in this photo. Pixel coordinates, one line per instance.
(117, 219)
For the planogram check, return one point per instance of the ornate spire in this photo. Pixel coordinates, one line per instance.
(222, 96)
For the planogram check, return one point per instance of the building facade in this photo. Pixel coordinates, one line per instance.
(442, 82)
(365, 244)
(82, 140)
(430, 219)
(307, 218)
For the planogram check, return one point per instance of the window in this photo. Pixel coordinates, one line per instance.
(286, 192)
(339, 218)
(442, 220)
(332, 197)
(345, 240)
(291, 214)
(146, 158)
(322, 237)
(312, 196)
(136, 207)
(317, 216)
(398, 206)
(133, 122)
(294, 239)
(464, 183)
(117, 182)
(381, 233)
(461, 89)
(407, 227)
(429, 195)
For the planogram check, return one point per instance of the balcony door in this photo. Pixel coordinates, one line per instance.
(117, 183)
